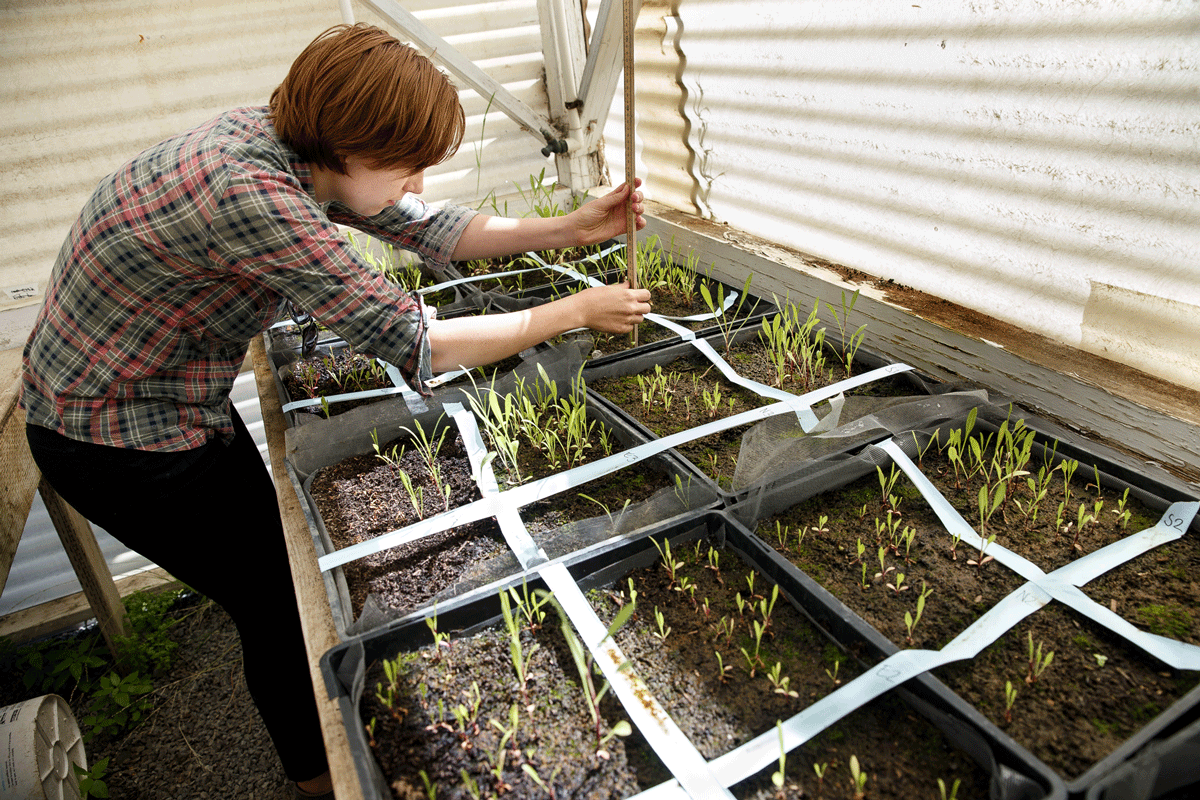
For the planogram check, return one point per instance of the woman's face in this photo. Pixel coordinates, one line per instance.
(367, 190)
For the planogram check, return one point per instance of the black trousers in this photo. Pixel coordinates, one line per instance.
(209, 517)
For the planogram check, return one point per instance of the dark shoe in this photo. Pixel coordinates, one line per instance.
(303, 795)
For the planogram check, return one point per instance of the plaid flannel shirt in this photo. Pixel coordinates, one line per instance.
(185, 254)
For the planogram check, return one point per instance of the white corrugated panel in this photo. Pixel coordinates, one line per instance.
(503, 38)
(1032, 159)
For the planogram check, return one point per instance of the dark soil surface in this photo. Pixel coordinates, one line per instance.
(721, 703)
(692, 392)
(717, 709)
(454, 704)
(1098, 690)
(363, 496)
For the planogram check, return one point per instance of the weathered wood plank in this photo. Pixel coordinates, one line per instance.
(20, 480)
(316, 617)
(90, 566)
(62, 613)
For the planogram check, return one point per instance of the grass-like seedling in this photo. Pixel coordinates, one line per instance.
(670, 564)
(777, 777)
(911, 620)
(727, 321)
(952, 794)
(1010, 699)
(584, 664)
(1038, 663)
(858, 779)
(849, 342)
(793, 348)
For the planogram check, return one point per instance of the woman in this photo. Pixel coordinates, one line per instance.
(185, 254)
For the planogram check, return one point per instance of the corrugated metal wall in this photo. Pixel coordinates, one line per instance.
(1032, 159)
(89, 83)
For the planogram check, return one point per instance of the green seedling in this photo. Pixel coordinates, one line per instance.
(851, 343)
(416, 494)
(506, 735)
(820, 770)
(898, 585)
(767, 608)
(727, 321)
(833, 675)
(431, 787)
(858, 779)
(860, 550)
(723, 669)
(988, 504)
(664, 630)
(952, 794)
(530, 606)
(584, 665)
(1037, 662)
(727, 627)
(536, 778)
(921, 451)
(1123, 513)
(755, 661)
(440, 640)
(520, 659)
(884, 569)
(668, 561)
(1010, 699)
(887, 483)
(1068, 468)
(780, 681)
(777, 777)
(750, 578)
(982, 558)
(714, 563)
(911, 620)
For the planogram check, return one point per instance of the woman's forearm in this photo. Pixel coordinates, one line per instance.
(488, 237)
(476, 341)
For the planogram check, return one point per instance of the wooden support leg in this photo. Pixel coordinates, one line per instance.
(90, 567)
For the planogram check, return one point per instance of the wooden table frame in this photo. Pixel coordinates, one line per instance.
(316, 617)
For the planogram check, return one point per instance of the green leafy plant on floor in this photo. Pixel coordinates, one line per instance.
(116, 694)
(91, 781)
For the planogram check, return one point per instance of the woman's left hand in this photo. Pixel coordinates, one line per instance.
(604, 218)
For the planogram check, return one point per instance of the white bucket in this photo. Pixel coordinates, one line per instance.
(39, 740)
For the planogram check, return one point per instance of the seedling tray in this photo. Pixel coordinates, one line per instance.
(682, 492)
(808, 492)
(604, 567)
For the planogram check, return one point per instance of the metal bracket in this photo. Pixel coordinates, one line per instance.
(554, 145)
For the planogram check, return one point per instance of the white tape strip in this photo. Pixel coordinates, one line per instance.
(1063, 584)
(671, 745)
(763, 750)
(512, 527)
(804, 413)
(521, 496)
(399, 386)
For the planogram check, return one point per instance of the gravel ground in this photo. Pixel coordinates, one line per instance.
(204, 739)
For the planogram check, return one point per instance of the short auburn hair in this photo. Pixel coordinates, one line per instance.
(357, 90)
